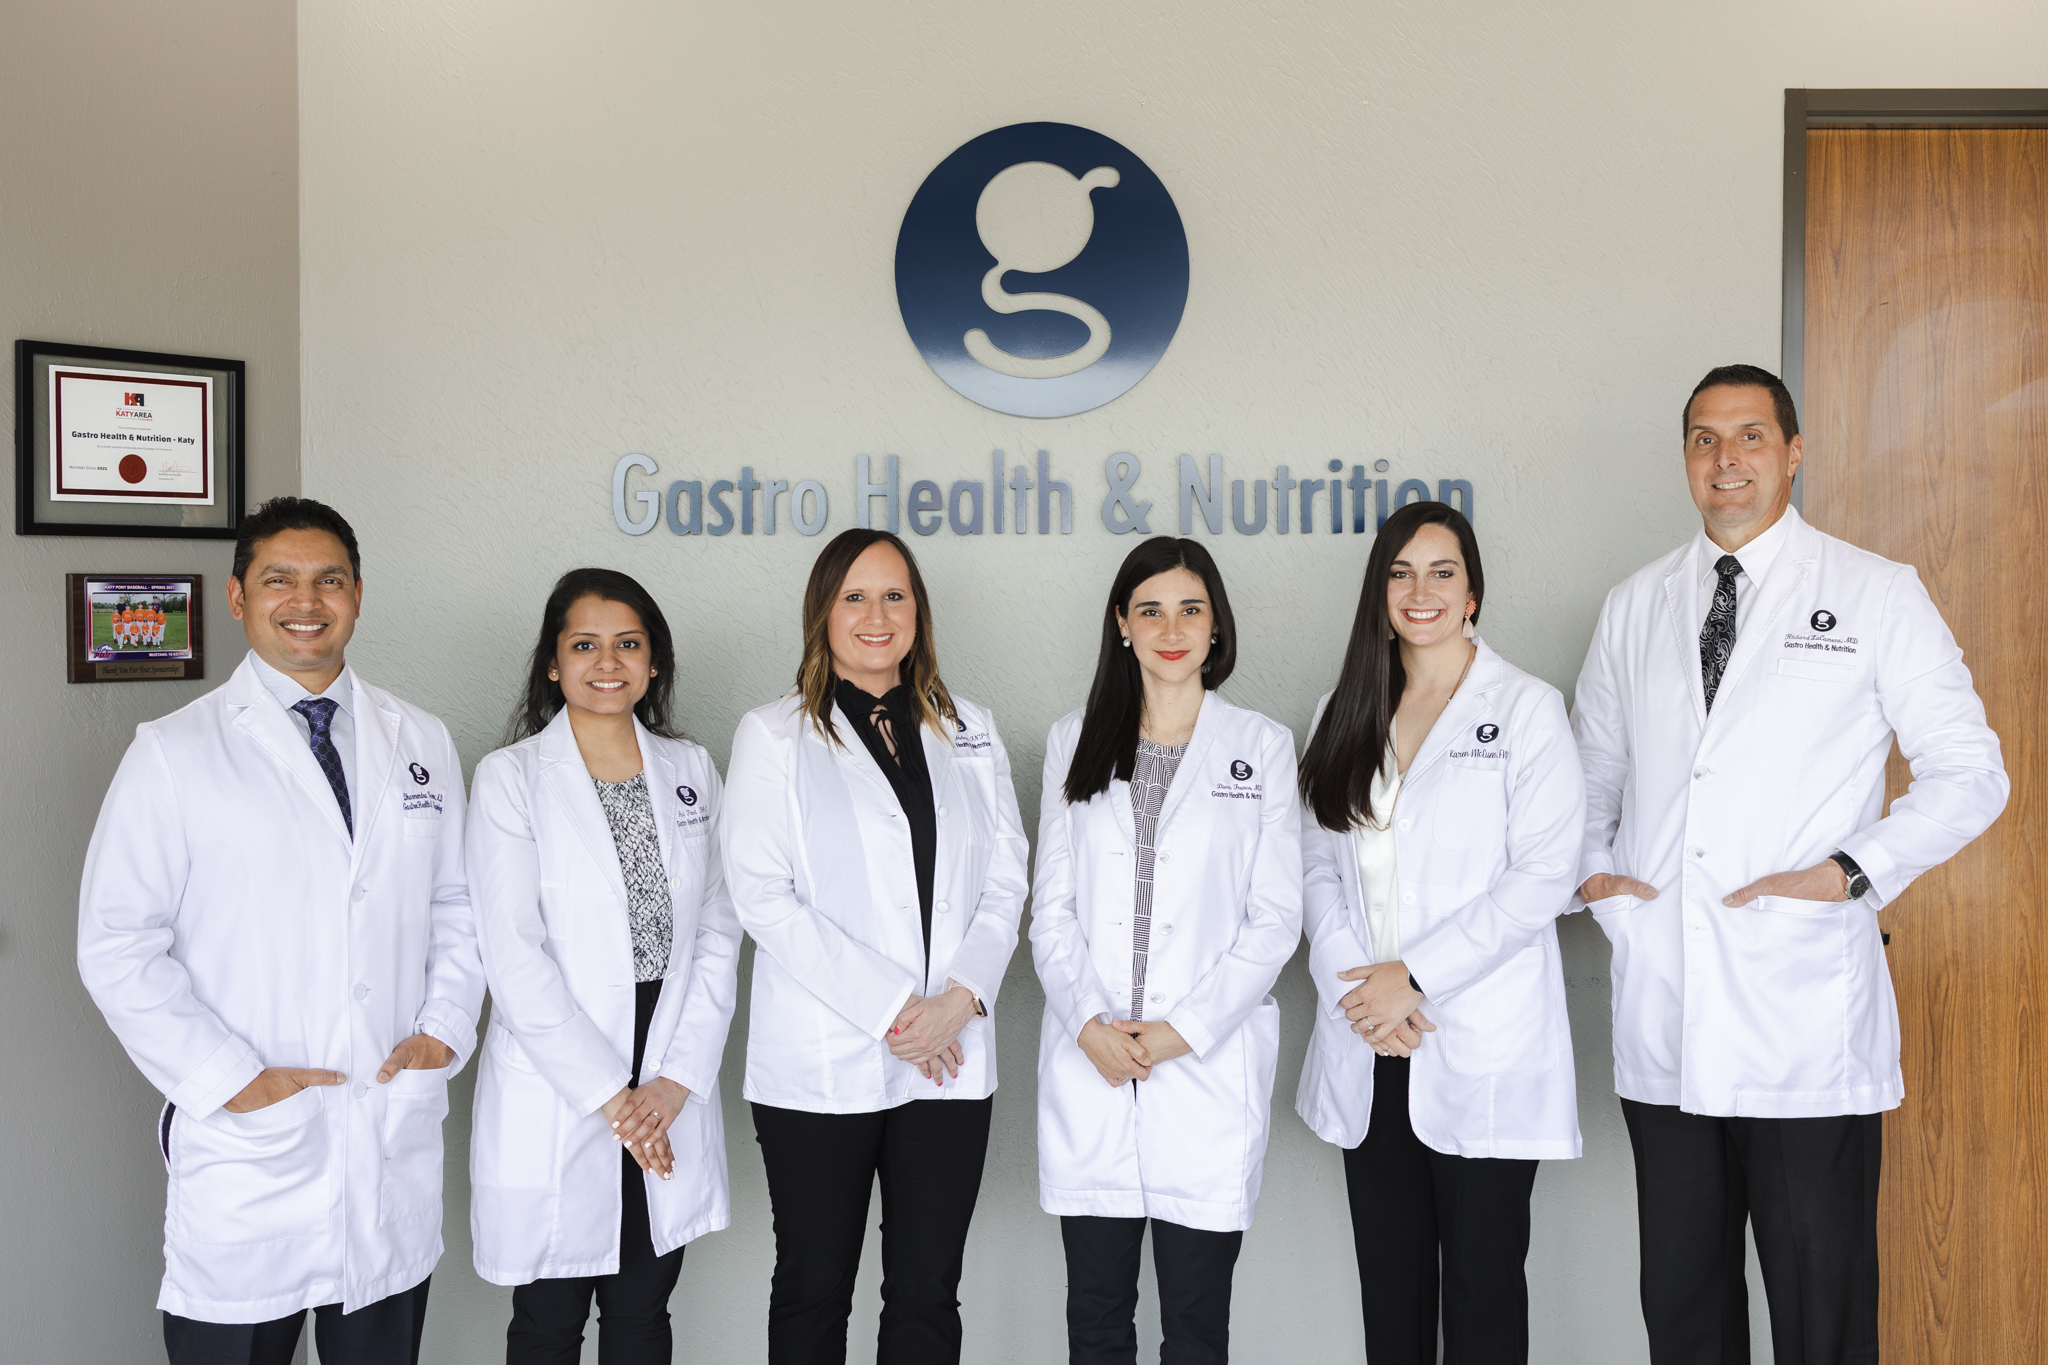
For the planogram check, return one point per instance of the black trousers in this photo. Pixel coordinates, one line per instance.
(386, 1332)
(1808, 1190)
(1423, 1221)
(821, 1170)
(632, 1303)
(1193, 1267)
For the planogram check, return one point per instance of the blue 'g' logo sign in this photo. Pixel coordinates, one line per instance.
(1042, 270)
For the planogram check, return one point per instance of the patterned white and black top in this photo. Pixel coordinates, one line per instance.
(1150, 778)
(649, 916)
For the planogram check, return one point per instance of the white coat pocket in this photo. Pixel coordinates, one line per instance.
(1493, 1025)
(423, 826)
(1608, 906)
(255, 1177)
(415, 1102)
(1471, 803)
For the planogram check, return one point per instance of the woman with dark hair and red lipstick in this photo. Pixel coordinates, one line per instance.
(1168, 897)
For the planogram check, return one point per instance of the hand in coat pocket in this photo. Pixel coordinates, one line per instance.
(275, 1083)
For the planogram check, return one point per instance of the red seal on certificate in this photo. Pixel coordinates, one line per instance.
(133, 468)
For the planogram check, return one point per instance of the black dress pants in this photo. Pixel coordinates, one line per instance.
(1194, 1269)
(1421, 1220)
(1808, 1190)
(632, 1303)
(386, 1332)
(821, 1170)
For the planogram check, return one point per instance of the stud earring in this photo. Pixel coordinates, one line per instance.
(1127, 642)
(1214, 638)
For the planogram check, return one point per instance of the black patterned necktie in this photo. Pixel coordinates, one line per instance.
(1717, 636)
(319, 714)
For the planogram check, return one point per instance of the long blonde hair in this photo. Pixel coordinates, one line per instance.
(815, 679)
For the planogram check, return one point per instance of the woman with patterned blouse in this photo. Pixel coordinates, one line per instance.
(1168, 897)
(611, 950)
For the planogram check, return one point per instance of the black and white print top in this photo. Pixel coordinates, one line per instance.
(1150, 778)
(649, 915)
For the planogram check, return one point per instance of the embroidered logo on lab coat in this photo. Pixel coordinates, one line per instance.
(1823, 621)
(420, 775)
(1486, 734)
(687, 795)
(1240, 787)
(970, 744)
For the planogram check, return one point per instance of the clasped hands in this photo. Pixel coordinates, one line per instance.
(926, 1033)
(421, 1052)
(1384, 1009)
(1824, 881)
(1128, 1049)
(640, 1117)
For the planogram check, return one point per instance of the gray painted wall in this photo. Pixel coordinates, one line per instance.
(148, 200)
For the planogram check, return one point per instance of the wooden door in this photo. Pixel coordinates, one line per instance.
(1926, 416)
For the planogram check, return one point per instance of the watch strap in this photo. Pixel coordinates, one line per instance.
(1859, 884)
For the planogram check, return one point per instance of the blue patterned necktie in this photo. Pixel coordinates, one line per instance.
(319, 714)
(1717, 637)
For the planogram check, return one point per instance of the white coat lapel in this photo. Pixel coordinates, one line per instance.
(1787, 577)
(1210, 721)
(1681, 595)
(376, 756)
(568, 781)
(1466, 706)
(662, 797)
(945, 774)
(263, 720)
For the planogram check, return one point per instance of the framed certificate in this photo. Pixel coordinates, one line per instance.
(133, 627)
(126, 443)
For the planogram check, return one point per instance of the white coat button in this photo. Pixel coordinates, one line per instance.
(1406, 825)
(361, 1089)
(1407, 898)
(1697, 851)
(942, 812)
(362, 891)
(1698, 773)
(1166, 929)
(1156, 998)
(940, 906)
(362, 991)
(1166, 857)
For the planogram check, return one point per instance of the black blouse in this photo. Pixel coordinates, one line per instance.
(910, 778)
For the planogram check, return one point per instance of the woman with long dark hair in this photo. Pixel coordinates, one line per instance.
(612, 955)
(1448, 806)
(1168, 897)
(875, 854)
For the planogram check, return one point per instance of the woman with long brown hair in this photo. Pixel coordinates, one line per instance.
(874, 851)
(1447, 805)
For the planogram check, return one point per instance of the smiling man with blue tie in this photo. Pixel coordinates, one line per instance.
(275, 923)
(1734, 716)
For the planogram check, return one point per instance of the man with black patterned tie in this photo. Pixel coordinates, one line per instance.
(275, 922)
(1734, 716)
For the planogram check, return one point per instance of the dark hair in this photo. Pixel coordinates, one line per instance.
(1108, 746)
(1747, 377)
(1350, 745)
(816, 681)
(543, 698)
(293, 514)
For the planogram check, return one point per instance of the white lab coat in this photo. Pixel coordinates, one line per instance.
(558, 952)
(817, 854)
(1782, 1008)
(1487, 829)
(1189, 1144)
(227, 922)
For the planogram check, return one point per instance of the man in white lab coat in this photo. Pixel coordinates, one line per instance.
(275, 923)
(1735, 712)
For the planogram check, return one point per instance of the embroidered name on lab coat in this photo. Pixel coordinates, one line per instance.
(971, 744)
(422, 803)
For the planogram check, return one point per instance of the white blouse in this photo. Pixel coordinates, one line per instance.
(1373, 841)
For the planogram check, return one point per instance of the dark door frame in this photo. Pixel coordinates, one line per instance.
(1806, 109)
